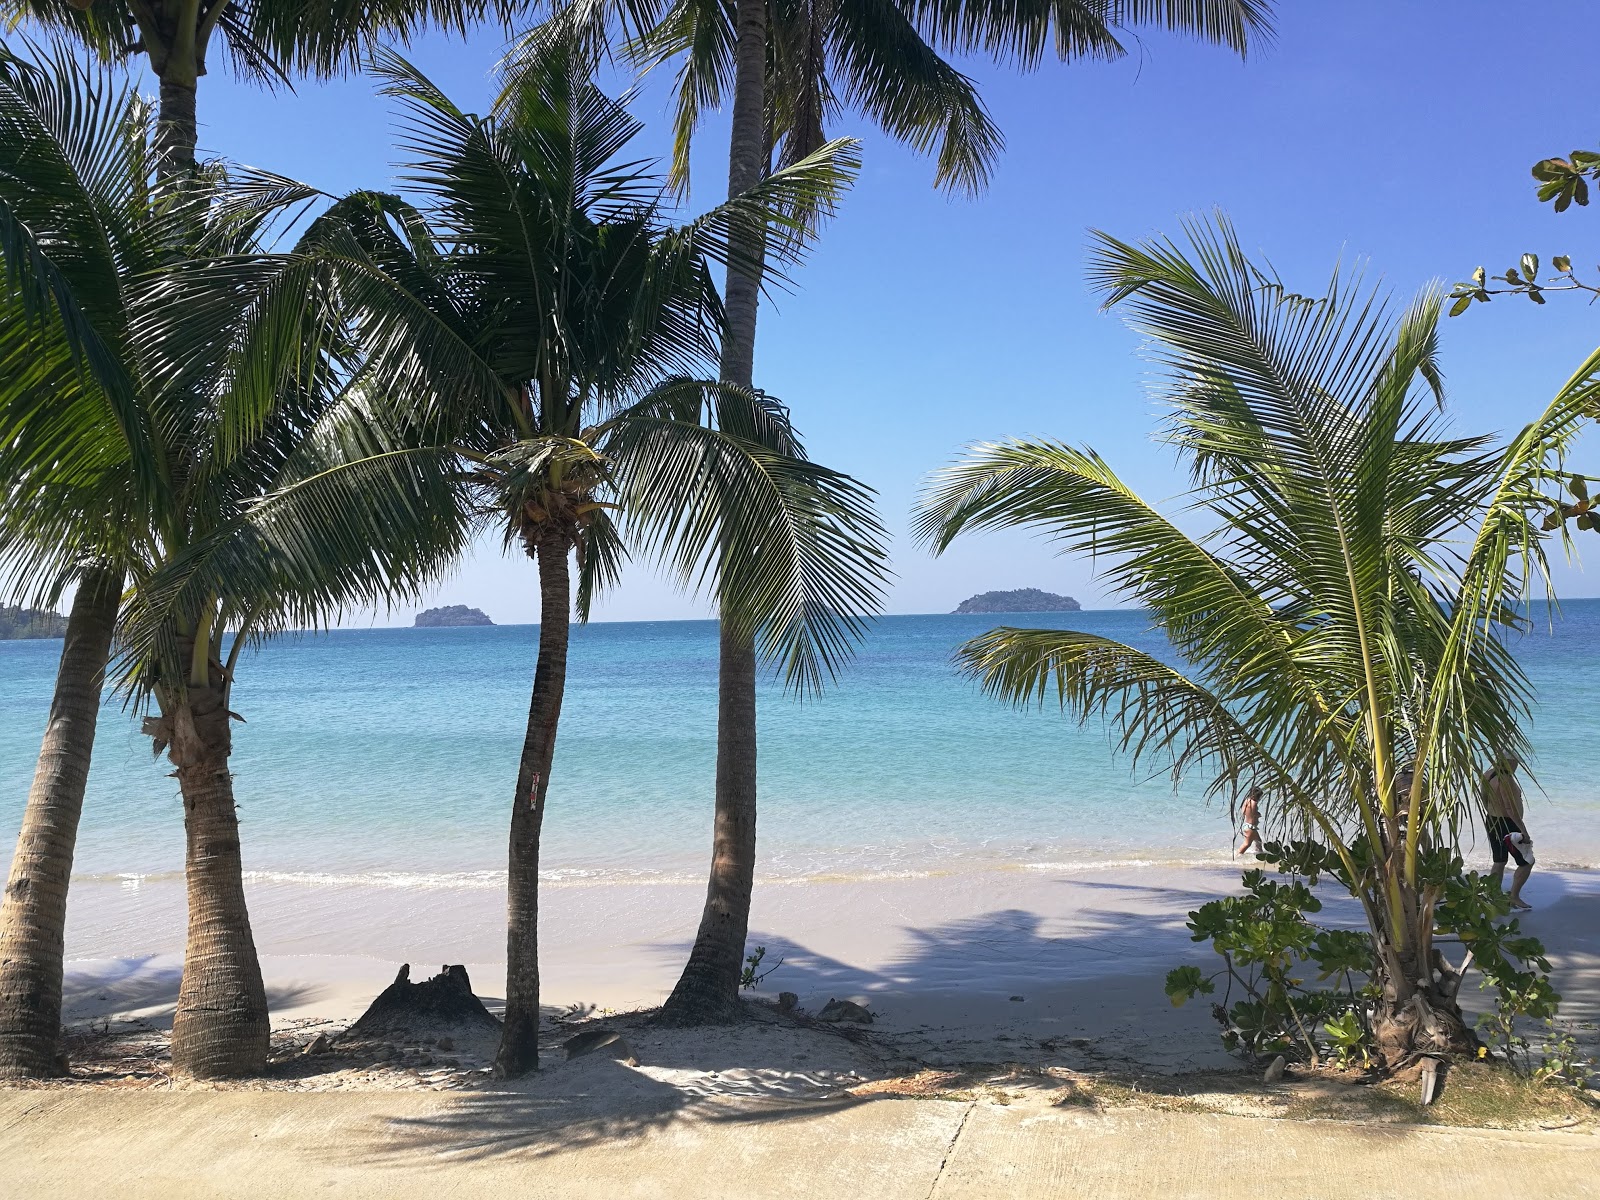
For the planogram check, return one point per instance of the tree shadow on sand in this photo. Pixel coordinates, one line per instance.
(1091, 1001)
(962, 975)
(145, 988)
(609, 1103)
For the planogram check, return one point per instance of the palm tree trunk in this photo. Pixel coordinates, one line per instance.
(177, 130)
(708, 989)
(221, 1029)
(1414, 1013)
(33, 913)
(519, 1041)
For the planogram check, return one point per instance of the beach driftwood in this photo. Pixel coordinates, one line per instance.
(444, 1002)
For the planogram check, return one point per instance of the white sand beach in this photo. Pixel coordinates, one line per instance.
(1034, 966)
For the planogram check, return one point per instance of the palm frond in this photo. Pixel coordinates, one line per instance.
(793, 551)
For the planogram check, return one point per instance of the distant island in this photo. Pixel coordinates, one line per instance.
(1021, 600)
(452, 616)
(19, 623)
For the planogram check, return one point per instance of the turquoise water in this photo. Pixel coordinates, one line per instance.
(389, 755)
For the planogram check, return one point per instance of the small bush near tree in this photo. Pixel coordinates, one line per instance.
(1297, 988)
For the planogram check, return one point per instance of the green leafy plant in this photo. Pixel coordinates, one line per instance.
(1349, 1039)
(1268, 947)
(1561, 1061)
(1562, 182)
(752, 975)
(1565, 181)
(1474, 909)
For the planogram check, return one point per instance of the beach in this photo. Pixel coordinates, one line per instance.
(1002, 966)
(923, 850)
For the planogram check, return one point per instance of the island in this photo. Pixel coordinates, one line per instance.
(19, 623)
(452, 616)
(1021, 600)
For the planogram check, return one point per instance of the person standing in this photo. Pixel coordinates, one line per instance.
(1508, 831)
(1251, 820)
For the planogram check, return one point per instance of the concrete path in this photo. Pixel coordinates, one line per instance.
(284, 1145)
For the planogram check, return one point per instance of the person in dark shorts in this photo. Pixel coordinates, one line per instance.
(1508, 834)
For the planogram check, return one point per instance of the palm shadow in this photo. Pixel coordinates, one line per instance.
(596, 1101)
(606, 1103)
(145, 990)
(1084, 993)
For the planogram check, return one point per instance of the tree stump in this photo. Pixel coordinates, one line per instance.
(405, 1009)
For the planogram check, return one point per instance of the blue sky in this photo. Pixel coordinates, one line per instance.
(1395, 131)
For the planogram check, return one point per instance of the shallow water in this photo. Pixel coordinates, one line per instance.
(387, 757)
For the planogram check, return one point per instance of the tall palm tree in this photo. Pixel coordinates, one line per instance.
(170, 413)
(269, 41)
(60, 373)
(1343, 611)
(539, 315)
(793, 66)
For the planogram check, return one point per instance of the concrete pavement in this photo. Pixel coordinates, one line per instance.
(135, 1144)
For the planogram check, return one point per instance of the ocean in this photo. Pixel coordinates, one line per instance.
(387, 757)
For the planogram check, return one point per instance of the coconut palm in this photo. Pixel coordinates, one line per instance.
(64, 381)
(171, 426)
(1340, 612)
(267, 40)
(793, 66)
(539, 315)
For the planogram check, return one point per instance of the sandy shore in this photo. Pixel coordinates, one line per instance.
(1009, 965)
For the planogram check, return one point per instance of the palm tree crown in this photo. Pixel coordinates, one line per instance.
(888, 60)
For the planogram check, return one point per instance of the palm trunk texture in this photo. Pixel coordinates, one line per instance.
(177, 128)
(221, 1027)
(519, 1040)
(708, 990)
(1415, 1013)
(33, 913)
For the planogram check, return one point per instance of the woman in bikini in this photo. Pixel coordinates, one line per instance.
(1251, 820)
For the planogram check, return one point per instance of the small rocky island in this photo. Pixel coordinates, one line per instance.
(1021, 600)
(452, 616)
(17, 624)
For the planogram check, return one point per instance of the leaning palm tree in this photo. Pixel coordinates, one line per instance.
(792, 68)
(1340, 612)
(78, 460)
(269, 41)
(170, 423)
(537, 314)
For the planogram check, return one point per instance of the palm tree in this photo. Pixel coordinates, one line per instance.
(1341, 612)
(540, 317)
(792, 67)
(169, 413)
(60, 372)
(267, 40)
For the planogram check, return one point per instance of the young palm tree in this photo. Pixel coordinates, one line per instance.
(539, 316)
(792, 68)
(1342, 612)
(170, 423)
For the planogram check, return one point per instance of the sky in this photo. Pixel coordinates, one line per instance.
(1395, 132)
